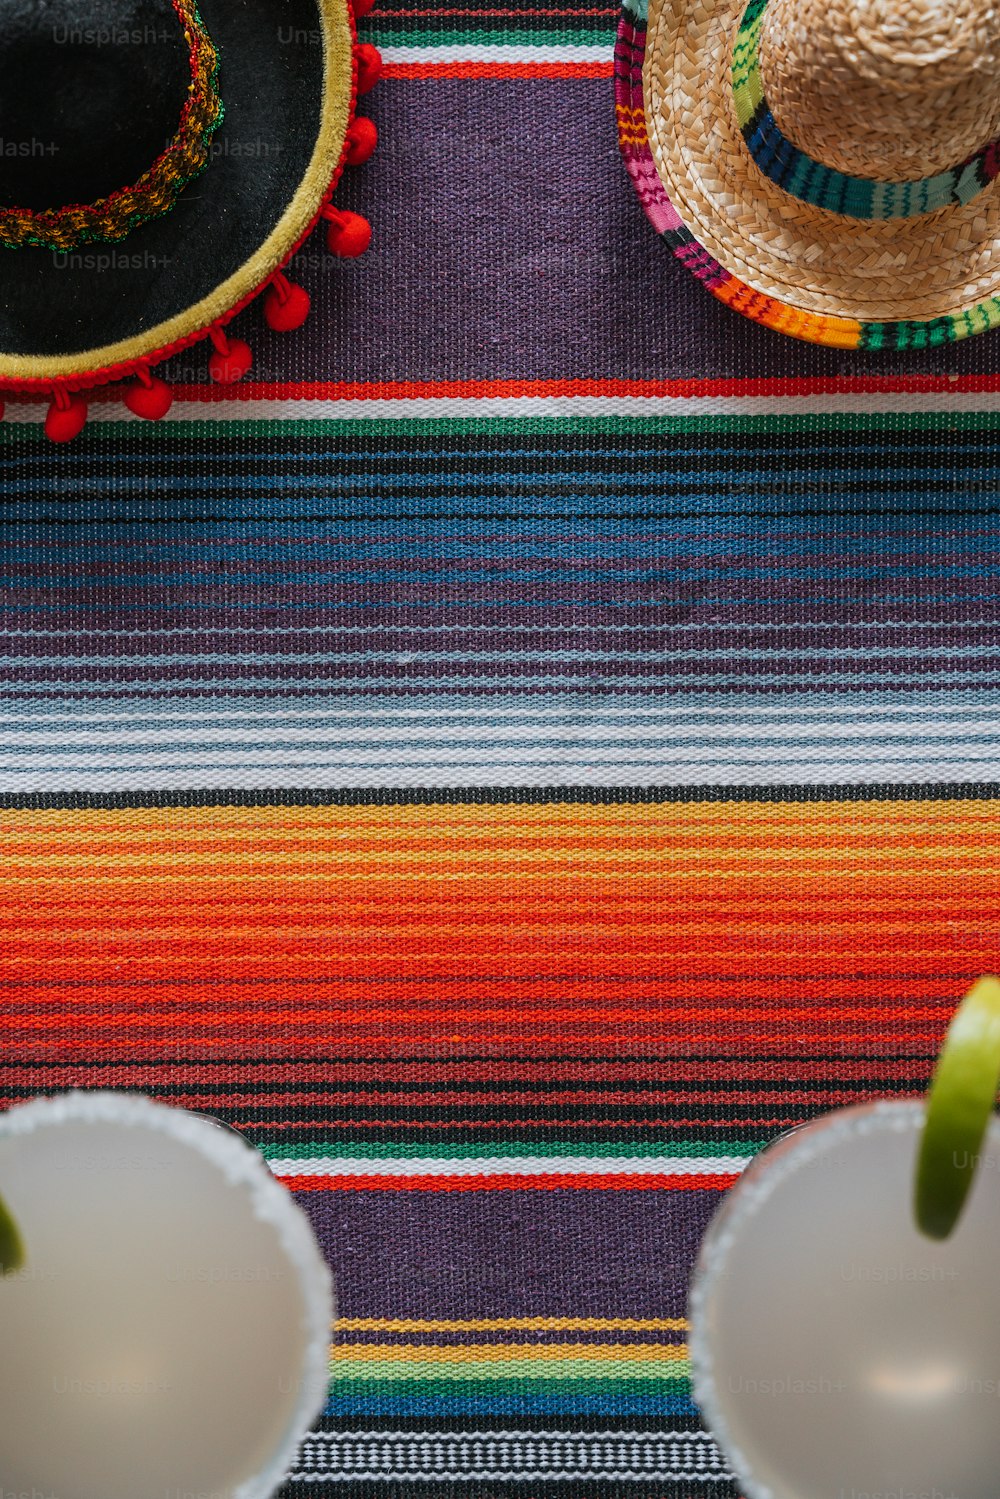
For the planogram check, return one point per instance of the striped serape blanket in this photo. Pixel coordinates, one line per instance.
(527, 748)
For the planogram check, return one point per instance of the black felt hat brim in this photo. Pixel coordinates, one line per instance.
(287, 84)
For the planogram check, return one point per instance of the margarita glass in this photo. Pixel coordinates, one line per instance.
(168, 1333)
(837, 1352)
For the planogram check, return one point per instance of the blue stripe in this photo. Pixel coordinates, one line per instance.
(600, 1404)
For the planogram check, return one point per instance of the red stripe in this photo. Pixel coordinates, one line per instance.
(416, 72)
(385, 15)
(513, 1182)
(606, 1098)
(390, 1071)
(930, 994)
(231, 1046)
(395, 390)
(392, 390)
(751, 1127)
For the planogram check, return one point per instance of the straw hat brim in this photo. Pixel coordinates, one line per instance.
(287, 79)
(806, 271)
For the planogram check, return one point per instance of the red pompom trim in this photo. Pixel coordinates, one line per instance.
(150, 397)
(231, 358)
(286, 306)
(362, 139)
(66, 418)
(349, 235)
(369, 60)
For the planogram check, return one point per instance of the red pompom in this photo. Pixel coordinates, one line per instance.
(150, 398)
(362, 138)
(67, 417)
(349, 235)
(369, 61)
(286, 306)
(363, 8)
(230, 362)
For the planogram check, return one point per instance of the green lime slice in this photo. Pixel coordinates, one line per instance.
(961, 1098)
(11, 1244)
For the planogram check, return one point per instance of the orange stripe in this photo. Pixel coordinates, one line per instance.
(721, 927)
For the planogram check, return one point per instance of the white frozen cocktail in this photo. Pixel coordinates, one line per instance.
(838, 1352)
(845, 1303)
(168, 1332)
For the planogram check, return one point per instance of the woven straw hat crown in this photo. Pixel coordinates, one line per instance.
(885, 89)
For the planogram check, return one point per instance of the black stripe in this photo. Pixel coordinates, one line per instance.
(426, 515)
(394, 796)
(639, 1488)
(536, 1488)
(554, 1421)
(702, 1099)
(890, 457)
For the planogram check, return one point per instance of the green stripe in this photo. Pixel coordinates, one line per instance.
(476, 1382)
(580, 36)
(748, 91)
(781, 424)
(551, 1149)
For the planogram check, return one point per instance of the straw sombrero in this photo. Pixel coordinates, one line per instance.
(160, 162)
(827, 169)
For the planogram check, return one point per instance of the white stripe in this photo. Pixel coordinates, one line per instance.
(614, 764)
(435, 406)
(540, 740)
(509, 1456)
(362, 775)
(371, 743)
(773, 718)
(445, 1439)
(485, 52)
(512, 1166)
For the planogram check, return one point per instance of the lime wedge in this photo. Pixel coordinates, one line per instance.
(11, 1245)
(959, 1104)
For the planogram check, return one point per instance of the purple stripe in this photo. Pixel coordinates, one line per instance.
(932, 624)
(379, 639)
(617, 595)
(510, 1254)
(727, 692)
(514, 676)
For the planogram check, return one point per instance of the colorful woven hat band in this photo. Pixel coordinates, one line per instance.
(813, 182)
(113, 217)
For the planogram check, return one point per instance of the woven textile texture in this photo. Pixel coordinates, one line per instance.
(528, 749)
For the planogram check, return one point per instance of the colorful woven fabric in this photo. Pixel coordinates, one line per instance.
(529, 749)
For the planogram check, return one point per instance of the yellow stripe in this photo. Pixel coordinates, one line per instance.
(381, 1354)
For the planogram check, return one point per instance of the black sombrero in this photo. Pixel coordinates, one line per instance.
(160, 161)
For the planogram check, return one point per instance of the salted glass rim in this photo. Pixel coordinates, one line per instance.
(242, 1166)
(779, 1159)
